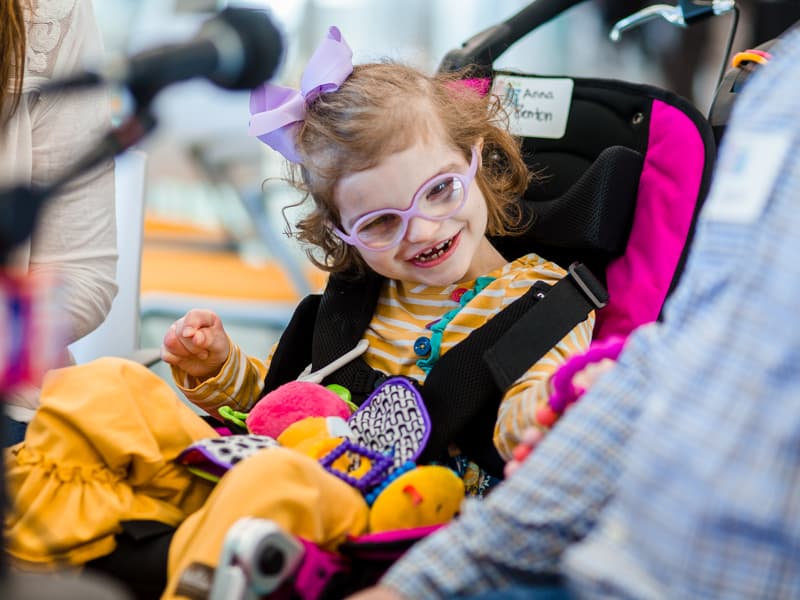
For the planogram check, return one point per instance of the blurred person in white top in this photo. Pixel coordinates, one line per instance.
(41, 136)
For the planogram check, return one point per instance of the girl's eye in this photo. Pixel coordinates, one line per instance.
(378, 223)
(443, 190)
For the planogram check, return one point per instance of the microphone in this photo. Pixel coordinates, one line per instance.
(238, 49)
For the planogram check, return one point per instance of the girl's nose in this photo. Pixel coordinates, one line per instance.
(421, 229)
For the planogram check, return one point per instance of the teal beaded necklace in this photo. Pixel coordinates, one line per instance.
(437, 329)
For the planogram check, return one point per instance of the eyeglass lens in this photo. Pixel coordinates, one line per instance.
(438, 200)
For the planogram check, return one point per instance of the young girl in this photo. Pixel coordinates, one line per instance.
(408, 174)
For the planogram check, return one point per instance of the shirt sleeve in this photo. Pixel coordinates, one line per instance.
(239, 383)
(517, 411)
(522, 528)
(75, 240)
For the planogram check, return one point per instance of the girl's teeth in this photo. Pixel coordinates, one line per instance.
(434, 252)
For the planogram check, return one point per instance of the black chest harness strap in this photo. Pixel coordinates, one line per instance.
(463, 390)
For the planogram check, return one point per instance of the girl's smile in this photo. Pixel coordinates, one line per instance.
(436, 254)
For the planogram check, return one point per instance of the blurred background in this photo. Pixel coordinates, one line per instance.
(214, 220)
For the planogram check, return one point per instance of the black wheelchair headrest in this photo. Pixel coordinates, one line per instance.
(592, 218)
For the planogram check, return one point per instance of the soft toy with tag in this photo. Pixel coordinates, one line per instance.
(394, 423)
(373, 451)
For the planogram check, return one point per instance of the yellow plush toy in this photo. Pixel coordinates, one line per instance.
(401, 494)
(304, 435)
(327, 483)
(413, 497)
(426, 495)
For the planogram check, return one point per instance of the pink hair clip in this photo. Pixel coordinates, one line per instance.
(277, 111)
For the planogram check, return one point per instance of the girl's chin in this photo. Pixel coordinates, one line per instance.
(446, 274)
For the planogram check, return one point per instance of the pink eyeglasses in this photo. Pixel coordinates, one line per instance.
(437, 199)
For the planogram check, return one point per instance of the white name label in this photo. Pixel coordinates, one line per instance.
(536, 106)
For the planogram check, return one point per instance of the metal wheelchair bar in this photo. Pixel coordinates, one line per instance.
(682, 14)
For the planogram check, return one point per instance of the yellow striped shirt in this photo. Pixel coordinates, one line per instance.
(403, 311)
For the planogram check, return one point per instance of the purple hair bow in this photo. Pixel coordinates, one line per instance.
(276, 111)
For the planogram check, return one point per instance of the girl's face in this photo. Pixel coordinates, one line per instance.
(431, 252)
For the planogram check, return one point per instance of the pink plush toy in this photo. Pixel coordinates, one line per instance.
(291, 402)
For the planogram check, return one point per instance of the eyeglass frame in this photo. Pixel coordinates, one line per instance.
(412, 211)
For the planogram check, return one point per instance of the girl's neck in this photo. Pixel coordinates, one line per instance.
(486, 260)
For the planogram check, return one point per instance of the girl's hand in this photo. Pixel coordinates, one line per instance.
(582, 380)
(579, 373)
(196, 343)
(530, 439)
(586, 377)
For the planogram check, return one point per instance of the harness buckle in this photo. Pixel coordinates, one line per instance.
(591, 287)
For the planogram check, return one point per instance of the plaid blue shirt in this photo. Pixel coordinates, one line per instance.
(678, 475)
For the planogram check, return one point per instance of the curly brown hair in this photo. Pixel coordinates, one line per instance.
(384, 108)
(12, 56)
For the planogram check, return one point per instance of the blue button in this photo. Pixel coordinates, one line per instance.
(422, 347)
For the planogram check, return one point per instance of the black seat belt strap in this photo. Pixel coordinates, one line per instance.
(565, 305)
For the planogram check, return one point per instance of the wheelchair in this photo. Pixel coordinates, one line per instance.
(625, 168)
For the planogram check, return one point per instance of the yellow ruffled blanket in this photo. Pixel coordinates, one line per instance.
(101, 449)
